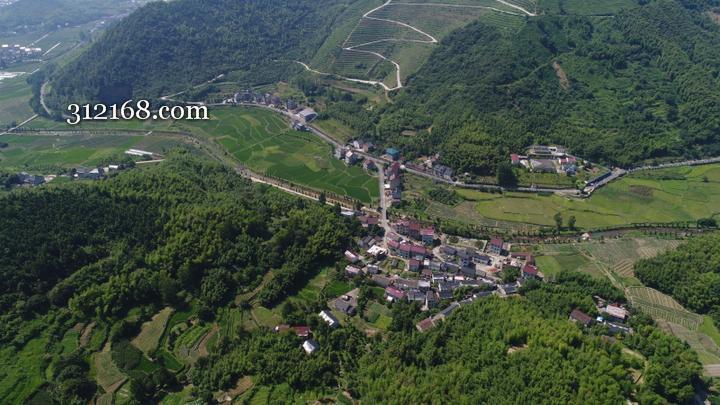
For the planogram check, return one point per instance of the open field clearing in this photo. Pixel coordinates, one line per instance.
(669, 195)
(149, 337)
(264, 142)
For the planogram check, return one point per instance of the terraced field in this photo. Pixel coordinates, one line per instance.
(391, 41)
(264, 142)
(659, 305)
(149, 338)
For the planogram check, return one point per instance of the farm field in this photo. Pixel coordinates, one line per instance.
(45, 152)
(264, 142)
(668, 195)
(405, 33)
(614, 257)
(149, 338)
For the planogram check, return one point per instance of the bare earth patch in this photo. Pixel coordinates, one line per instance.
(561, 75)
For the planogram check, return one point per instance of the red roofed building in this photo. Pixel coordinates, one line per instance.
(302, 331)
(393, 294)
(428, 236)
(530, 271)
(580, 317)
(495, 246)
(425, 324)
(515, 159)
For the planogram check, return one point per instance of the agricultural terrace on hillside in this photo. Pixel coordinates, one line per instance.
(614, 259)
(667, 195)
(264, 142)
(390, 41)
(607, 258)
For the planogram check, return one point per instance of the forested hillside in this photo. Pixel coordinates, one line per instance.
(166, 47)
(640, 85)
(88, 269)
(691, 274)
(187, 231)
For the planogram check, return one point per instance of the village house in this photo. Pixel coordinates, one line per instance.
(428, 236)
(30, 179)
(302, 331)
(394, 294)
(329, 318)
(616, 313)
(530, 272)
(353, 271)
(443, 171)
(368, 221)
(352, 257)
(425, 324)
(393, 153)
(580, 317)
(431, 299)
(381, 281)
(346, 304)
(310, 346)
(413, 265)
(496, 246)
(372, 269)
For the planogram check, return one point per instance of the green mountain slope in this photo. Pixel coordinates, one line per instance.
(166, 47)
(642, 84)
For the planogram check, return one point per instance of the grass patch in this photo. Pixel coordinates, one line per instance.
(338, 288)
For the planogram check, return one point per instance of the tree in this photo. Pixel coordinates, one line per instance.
(571, 222)
(322, 199)
(505, 175)
(558, 221)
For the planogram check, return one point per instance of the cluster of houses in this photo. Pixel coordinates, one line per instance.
(432, 165)
(393, 183)
(614, 316)
(301, 116)
(11, 54)
(546, 159)
(433, 272)
(29, 180)
(350, 154)
(309, 344)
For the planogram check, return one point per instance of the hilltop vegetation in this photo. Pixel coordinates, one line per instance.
(642, 85)
(167, 47)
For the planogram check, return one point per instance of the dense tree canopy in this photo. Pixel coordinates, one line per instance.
(644, 84)
(166, 46)
(690, 273)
